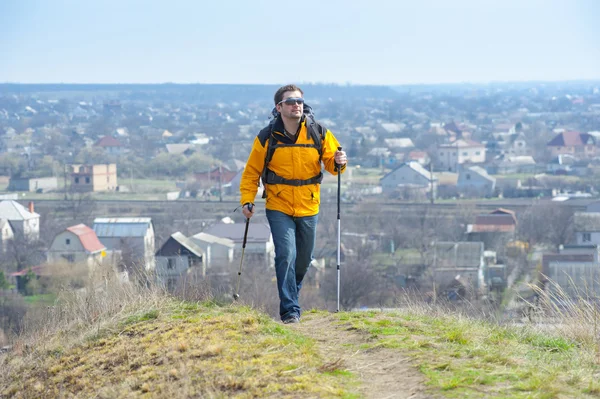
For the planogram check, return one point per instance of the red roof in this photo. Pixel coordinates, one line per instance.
(417, 155)
(38, 270)
(88, 238)
(571, 139)
(108, 141)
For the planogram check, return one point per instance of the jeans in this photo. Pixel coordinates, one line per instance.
(294, 239)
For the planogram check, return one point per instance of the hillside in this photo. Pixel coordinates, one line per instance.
(181, 349)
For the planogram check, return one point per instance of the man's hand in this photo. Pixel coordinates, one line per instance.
(248, 210)
(340, 158)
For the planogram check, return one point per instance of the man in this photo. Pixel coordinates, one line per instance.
(293, 148)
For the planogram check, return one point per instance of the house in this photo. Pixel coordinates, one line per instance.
(474, 181)
(399, 144)
(134, 237)
(378, 157)
(6, 234)
(77, 244)
(511, 143)
(218, 250)
(259, 241)
(459, 269)
(212, 178)
(593, 207)
(561, 164)
(418, 156)
(573, 272)
(24, 222)
(407, 180)
(509, 164)
(574, 143)
(494, 229)
(586, 226)
(180, 149)
(93, 178)
(461, 151)
(111, 145)
(33, 184)
(177, 257)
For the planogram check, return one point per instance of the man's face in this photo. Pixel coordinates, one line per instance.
(291, 105)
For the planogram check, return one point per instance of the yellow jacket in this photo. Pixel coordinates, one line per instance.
(292, 163)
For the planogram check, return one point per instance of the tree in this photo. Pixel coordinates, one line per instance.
(549, 223)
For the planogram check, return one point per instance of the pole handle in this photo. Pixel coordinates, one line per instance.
(337, 165)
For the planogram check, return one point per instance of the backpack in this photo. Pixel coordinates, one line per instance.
(313, 128)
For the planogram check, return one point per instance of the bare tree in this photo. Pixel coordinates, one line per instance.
(549, 223)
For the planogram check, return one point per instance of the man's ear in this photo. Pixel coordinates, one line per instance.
(278, 108)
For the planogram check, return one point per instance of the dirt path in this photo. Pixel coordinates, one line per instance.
(384, 373)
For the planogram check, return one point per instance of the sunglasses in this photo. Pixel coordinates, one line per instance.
(292, 101)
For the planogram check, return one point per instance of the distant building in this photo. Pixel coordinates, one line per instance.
(33, 184)
(93, 178)
(474, 181)
(459, 269)
(408, 180)
(111, 145)
(77, 244)
(218, 250)
(177, 257)
(574, 143)
(574, 271)
(259, 241)
(587, 228)
(134, 237)
(461, 151)
(24, 222)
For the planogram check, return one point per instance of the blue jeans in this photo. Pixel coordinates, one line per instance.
(294, 239)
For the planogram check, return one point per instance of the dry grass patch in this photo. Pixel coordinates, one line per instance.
(178, 350)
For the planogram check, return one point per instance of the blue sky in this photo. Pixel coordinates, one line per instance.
(259, 41)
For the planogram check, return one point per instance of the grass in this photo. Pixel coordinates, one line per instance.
(179, 349)
(41, 299)
(126, 340)
(465, 358)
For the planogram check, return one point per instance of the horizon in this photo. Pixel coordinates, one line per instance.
(379, 43)
(348, 84)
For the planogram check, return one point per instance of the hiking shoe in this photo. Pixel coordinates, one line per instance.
(293, 319)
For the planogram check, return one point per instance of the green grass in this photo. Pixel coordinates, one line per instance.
(41, 299)
(464, 358)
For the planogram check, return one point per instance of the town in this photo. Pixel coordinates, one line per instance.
(453, 192)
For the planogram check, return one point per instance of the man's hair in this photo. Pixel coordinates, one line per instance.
(283, 89)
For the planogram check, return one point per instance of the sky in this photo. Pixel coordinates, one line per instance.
(368, 42)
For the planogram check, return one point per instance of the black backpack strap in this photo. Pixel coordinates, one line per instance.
(317, 132)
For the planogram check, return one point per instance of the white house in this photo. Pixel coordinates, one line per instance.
(461, 151)
(259, 241)
(77, 244)
(218, 251)
(587, 228)
(177, 257)
(409, 176)
(24, 222)
(134, 237)
(6, 234)
(474, 181)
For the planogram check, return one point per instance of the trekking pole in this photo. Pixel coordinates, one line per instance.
(236, 296)
(338, 168)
